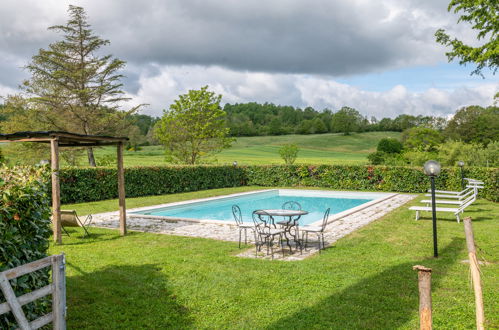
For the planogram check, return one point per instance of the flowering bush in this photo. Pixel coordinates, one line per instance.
(24, 232)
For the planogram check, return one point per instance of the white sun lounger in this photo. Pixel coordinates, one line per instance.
(442, 201)
(468, 186)
(474, 181)
(456, 211)
(455, 194)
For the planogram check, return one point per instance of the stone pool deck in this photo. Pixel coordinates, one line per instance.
(229, 232)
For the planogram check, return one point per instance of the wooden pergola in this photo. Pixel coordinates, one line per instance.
(59, 139)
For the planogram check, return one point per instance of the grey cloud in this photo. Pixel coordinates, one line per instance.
(336, 38)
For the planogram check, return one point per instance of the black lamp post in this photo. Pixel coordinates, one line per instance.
(461, 165)
(432, 169)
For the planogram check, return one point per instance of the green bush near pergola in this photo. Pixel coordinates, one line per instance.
(61, 139)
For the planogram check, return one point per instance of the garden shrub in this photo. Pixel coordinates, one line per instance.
(24, 232)
(289, 152)
(92, 184)
(390, 146)
(377, 157)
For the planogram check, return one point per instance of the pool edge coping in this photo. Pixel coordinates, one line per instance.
(331, 218)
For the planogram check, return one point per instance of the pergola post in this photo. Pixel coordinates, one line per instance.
(56, 190)
(59, 139)
(121, 189)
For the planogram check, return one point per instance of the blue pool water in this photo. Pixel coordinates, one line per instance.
(221, 209)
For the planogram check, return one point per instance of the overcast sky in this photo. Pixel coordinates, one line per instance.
(379, 57)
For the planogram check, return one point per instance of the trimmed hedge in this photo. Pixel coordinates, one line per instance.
(92, 184)
(373, 178)
(24, 232)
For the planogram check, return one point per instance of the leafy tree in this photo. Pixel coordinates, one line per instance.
(74, 89)
(483, 15)
(305, 127)
(387, 152)
(318, 126)
(390, 146)
(288, 153)
(418, 157)
(20, 117)
(450, 152)
(421, 139)
(346, 120)
(194, 127)
(275, 127)
(474, 124)
(491, 155)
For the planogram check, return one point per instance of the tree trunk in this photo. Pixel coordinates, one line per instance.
(91, 158)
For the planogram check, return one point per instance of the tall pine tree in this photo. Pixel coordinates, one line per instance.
(72, 88)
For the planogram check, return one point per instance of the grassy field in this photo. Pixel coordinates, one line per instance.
(365, 280)
(317, 148)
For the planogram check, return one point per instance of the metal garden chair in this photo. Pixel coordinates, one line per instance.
(318, 230)
(265, 233)
(236, 212)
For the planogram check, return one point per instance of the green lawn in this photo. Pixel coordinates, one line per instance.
(365, 280)
(317, 148)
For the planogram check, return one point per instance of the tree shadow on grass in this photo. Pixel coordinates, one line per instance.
(79, 234)
(123, 297)
(386, 300)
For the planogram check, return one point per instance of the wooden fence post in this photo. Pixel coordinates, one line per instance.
(121, 189)
(475, 273)
(59, 292)
(424, 284)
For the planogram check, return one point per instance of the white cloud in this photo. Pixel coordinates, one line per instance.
(289, 52)
(162, 88)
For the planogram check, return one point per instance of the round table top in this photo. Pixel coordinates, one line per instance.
(281, 213)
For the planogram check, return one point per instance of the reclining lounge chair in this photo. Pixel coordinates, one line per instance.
(456, 211)
(69, 218)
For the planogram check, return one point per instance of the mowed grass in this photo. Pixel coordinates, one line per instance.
(365, 280)
(317, 148)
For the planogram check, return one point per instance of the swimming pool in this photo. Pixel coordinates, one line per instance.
(218, 209)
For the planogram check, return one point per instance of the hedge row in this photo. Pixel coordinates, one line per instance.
(372, 178)
(24, 233)
(92, 184)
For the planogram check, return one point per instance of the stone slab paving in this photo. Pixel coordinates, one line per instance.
(229, 232)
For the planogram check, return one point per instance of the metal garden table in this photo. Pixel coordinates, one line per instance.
(291, 224)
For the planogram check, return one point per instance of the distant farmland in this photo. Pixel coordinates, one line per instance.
(314, 149)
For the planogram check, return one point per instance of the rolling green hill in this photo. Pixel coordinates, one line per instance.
(317, 148)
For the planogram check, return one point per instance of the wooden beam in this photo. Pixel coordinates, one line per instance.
(121, 189)
(78, 137)
(56, 191)
(27, 139)
(84, 144)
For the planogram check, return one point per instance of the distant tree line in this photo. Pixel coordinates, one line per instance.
(252, 119)
(472, 136)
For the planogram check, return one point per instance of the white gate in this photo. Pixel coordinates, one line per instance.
(57, 289)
